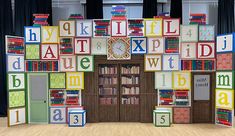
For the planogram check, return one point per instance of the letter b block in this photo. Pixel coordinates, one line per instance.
(16, 81)
(32, 34)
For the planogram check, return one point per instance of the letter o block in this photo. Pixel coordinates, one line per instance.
(77, 118)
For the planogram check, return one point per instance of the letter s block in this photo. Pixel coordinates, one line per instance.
(67, 28)
(206, 50)
(224, 98)
(16, 81)
(32, 34)
(57, 115)
(118, 28)
(15, 63)
(181, 80)
(85, 63)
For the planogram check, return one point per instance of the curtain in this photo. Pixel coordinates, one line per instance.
(6, 20)
(176, 9)
(149, 8)
(94, 9)
(24, 10)
(225, 16)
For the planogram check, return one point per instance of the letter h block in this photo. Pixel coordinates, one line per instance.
(32, 34)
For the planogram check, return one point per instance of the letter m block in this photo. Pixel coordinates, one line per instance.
(225, 80)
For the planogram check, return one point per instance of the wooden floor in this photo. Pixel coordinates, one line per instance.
(115, 129)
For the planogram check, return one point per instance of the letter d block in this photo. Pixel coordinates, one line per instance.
(57, 115)
(224, 98)
(32, 34)
(16, 81)
(206, 50)
(85, 63)
(181, 80)
(15, 63)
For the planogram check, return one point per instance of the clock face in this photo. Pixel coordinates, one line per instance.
(119, 49)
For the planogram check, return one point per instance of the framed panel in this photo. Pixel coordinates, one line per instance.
(14, 44)
(32, 51)
(206, 33)
(136, 27)
(57, 80)
(189, 33)
(16, 99)
(101, 28)
(152, 63)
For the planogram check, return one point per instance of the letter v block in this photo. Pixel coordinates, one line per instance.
(49, 52)
(171, 27)
(32, 34)
(84, 28)
(152, 63)
(138, 45)
(225, 80)
(50, 34)
(85, 63)
(118, 28)
(15, 63)
(181, 80)
(224, 98)
(57, 115)
(16, 81)
(206, 50)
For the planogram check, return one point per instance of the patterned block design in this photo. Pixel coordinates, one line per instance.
(206, 33)
(224, 61)
(16, 99)
(181, 115)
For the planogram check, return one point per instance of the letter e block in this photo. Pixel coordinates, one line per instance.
(85, 63)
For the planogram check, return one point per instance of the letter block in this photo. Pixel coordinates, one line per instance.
(138, 45)
(189, 33)
(188, 50)
(74, 80)
(182, 80)
(32, 34)
(155, 45)
(67, 63)
(57, 115)
(49, 52)
(163, 80)
(206, 50)
(153, 27)
(99, 46)
(84, 28)
(118, 28)
(206, 33)
(50, 34)
(225, 43)
(77, 118)
(32, 51)
(82, 46)
(171, 27)
(16, 81)
(67, 28)
(85, 63)
(225, 80)
(16, 116)
(57, 80)
(161, 119)
(15, 63)
(152, 63)
(224, 98)
(171, 62)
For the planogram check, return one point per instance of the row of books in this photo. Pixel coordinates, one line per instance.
(198, 64)
(198, 19)
(166, 97)
(40, 19)
(72, 97)
(75, 17)
(15, 45)
(102, 27)
(59, 97)
(107, 80)
(118, 12)
(181, 98)
(130, 80)
(136, 27)
(108, 101)
(172, 45)
(66, 45)
(108, 70)
(130, 100)
(130, 70)
(107, 91)
(130, 90)
(41, 66)
(224, 117)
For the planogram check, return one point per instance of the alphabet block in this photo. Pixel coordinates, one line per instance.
(57, 115)
(15, 63)
(82, 46)
(224, 61)
(171, 27)
(182, 80)
(206, 33)
(77, 118)
(138, 45)
(172, 44)
(225, 80)
(49, 52)
(188, 50)
(155, 45)
(14, 44)
(152, 63)
(32, 51)
(67, 28)
(67, 63)
(74, 80)
(84, 28)
(171, 62)
(224, 98)
(66, 45)
(99, 46)
(163, 80)
(101, 28)
(50, 34)
(16, 81)
(32, 34)
(57, 80)
(16, 116)
(189, 33)
(85, 63)
(206, 50)
(161, 119)
(135, 27)
(225, 43)
(153, 27)
(16, 99)
(118, 28)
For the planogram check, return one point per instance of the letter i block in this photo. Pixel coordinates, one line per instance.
(16, 81)
(153, 27)
(67, 28)
(138, 45)
(84, 28)
(171, 27)
(118, 28)
(57, 115)
(224, 98)
(182, 80)
(225, 80)
(49, 52)
(50, 34)
(225, 43)
(82, 46)
(77, 118)
(188, 50)
(85, 63)
(206, 50)
(15, 63)
(32, 34)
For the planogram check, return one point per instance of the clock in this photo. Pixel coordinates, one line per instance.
(118, 49)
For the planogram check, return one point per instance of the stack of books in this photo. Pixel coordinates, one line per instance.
(40, 19)
(72, 97)
(75, 17)
(198, 19)
(224, 117)
(57, 97)
(181, 98)
(102, 27)
(166, 97)
(136, 27)
(118, 12)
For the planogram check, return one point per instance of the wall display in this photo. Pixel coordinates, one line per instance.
(16, 116)
(172, 44)
(15, 63)
(41, 66)
(182, 80)
(171, 27)
(84, 28)
(206, 32)
(206, 50)
(225, 43)
(163, 80)
(57, 80)
(153, 27)
(32, 34)
(165, 97)
(171, 62)
(135, 27)
(67, 28)
(16, 81)
(118, 28)
(16, 99)
(138, 45)
(223, 61)
(225, 80)
(49, 52)
(56, 97)
(152, 63)
(118, 49)
(85, 63)
(82, 46)
(14, 44)
(99, 46)
(155, 45)
(189, 33)
(182, 97)
(67, 63)
(74, 80)
(202, 86)
(198, 65)
(101, 28)
(188, 50)
(50, 34)
(57, 115)
(32, 51)
(66, 45)
(224, 98)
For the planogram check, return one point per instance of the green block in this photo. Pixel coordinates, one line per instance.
(161, 119)
(32, 51)
(57, 80)
(16, 99)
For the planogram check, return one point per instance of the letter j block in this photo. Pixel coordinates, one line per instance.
(32, 34)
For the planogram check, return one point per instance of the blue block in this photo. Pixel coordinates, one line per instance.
(77, 118)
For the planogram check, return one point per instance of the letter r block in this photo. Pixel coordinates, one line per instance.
(16, 81)
(32, 34)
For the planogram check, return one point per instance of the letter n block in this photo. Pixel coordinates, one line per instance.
(57, 115)
(15, 63)
(67, 28)
(16, 81)
(49, 52)
(181, 80)
(118, 28)
(85, 63)
(171, 27)
(225, 80)
(152, 63)
(32, 34)
(206, 50)
(82, 46)
(84, 28)
(74, 80)
(138, 45)
(50, 34)
(224, 98)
